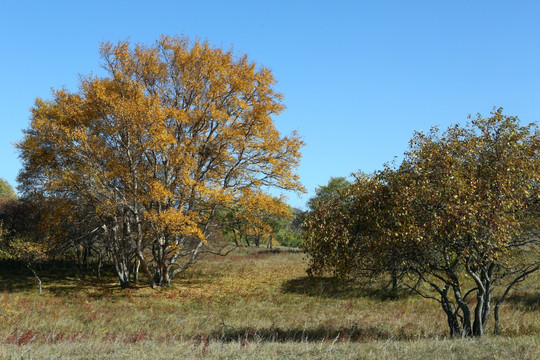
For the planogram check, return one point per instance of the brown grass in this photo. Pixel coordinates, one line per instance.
(250, 304)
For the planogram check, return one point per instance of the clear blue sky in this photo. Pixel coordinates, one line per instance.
(358, 76)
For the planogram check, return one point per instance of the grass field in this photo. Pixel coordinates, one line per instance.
(252, 304)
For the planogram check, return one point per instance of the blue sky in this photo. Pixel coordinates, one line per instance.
(358, 76)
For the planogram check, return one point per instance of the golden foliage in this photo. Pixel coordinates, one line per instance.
(177, 129)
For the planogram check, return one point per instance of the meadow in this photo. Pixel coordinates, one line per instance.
(252, 304)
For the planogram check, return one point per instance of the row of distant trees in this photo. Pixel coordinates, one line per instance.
(457, 219)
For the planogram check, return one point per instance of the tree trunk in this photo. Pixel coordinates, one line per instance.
(136, 266)
(165, 279)
(394, 280)
(122, 269)
(453, 324)
(451, 316)
(100, 263)
(478, 328)
(35, 275)
(140, 257)
(124, 282)
(146, 270)
(481, 280)
(235, 238)
(121, 260)
(516, 280)
(85, 257)
(78, 253)
(487, 305)
(466, 330)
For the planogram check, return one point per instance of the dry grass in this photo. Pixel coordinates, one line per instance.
(487, 348)
(247, 305)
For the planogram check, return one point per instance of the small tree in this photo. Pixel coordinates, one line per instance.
(17, 236)
(6, 191)
(325, 193)
(288, 229)
(327, 229)
(339, 228)
(343, 234)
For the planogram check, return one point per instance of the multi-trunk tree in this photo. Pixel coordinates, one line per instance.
(175, 131)
(460, 213)
(461, 210)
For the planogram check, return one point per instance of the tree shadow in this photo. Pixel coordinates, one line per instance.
(17, 283)
(96, 287)
(317, 334)
(59, 278)
(330, 287)
(15, 276)
(526, 301)
(280, 250)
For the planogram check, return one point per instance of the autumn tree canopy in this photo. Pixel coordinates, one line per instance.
(460, 213)
(174, 131)
(463, 199)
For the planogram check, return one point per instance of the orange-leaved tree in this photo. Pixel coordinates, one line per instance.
(174, 131)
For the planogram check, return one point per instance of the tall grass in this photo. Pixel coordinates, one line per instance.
(251, 304)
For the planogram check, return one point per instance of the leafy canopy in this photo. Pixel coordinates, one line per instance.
(6, 191)
(462, 207)
(174, 131)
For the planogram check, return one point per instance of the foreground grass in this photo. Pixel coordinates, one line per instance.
(250, 304)
(487, 348)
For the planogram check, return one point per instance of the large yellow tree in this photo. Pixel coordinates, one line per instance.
(174, 131)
